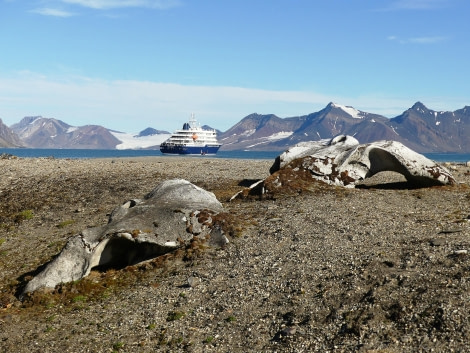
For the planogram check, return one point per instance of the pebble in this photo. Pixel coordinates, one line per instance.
(193, 281)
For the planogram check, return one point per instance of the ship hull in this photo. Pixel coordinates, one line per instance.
(189, 150)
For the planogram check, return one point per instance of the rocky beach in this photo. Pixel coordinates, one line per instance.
(383, 267)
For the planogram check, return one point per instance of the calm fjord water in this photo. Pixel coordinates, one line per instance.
(88, 153)
(79, 153)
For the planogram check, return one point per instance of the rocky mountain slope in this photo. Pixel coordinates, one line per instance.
(150, 131)
(425, 130)
(419, 128)
(40, 132)
(7, 137)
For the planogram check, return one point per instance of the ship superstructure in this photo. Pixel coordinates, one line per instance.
(191, 139)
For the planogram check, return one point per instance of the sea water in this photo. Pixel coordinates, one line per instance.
(89, 153)
(270, 155)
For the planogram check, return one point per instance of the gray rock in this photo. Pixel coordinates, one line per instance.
(137, 231)
(193, 281)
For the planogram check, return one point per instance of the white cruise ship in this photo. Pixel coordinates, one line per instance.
(191, 139)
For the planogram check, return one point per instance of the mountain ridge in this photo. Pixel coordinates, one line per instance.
(7, 137)
(419, 128)
(40, 132)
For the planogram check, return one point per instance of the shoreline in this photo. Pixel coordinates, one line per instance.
(442, 157)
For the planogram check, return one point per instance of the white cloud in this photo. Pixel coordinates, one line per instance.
(123, 105)
(131, 106)
(418, 40)
(427, 40)
(112, 4)
(414, 5)
(418, 4)
(53, 12)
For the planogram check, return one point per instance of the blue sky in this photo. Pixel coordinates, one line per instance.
(131, 64)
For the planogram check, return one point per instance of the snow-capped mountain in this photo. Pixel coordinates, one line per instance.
(269, 132)
(40, 132)
(419, 128)
(425, 130)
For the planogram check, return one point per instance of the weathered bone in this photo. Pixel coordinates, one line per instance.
(343, 161)
(138, 230)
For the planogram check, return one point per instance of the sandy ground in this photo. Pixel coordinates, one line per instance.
(381, 268)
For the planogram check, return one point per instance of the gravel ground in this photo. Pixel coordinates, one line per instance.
(380, 268)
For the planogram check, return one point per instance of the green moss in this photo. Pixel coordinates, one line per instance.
(65, 223)
(118, 345)
(175, 315)
(209, 339)
(79, 298)
(230, 319)
(23, 215)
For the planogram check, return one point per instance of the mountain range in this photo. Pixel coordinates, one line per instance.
(419, 128)
(40, 132)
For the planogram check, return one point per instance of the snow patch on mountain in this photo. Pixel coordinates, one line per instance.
(356, 114)
(71, 129)
(248, 132)
(32, 122)
(280, 135)
(131, 141)
(277, 136)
